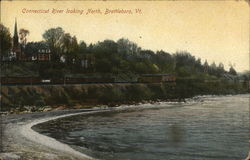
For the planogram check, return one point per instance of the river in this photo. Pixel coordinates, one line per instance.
(203, 128)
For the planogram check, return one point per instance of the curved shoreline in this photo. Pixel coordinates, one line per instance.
(27, 131)
(19, 134)
(20, 141)
(49, 142)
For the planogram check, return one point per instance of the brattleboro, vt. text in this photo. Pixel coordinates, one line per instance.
(89, 11)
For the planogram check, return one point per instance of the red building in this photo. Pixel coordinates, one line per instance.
(43, 54)
(40, 51)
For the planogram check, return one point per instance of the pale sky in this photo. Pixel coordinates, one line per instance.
(213, 30)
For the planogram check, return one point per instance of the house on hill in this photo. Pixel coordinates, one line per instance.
(37, 51)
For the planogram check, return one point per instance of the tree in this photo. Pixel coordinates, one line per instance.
(69, 44)
(221, 69)
(164, 61)
(198, 65)
(23, 36)
(126, 48)
(206, 66)
(70, 48)
(213, 65)
(147, 54)
(82, 47)
(106, 47)
(90, 48)
(106, 56)
(212, 69)
(184, 59)
(183, 72)
(5, 41)
(232, 71)
(54, 38)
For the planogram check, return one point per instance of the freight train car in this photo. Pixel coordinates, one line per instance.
(156, 78)
(66, 80)
(20, 80)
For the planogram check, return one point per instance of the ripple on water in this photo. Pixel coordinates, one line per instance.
(206, 128)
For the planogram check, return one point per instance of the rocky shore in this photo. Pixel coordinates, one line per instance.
(33, 109)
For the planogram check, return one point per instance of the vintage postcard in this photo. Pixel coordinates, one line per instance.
(124, 80)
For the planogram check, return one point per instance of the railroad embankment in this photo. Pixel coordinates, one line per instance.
(32, 98)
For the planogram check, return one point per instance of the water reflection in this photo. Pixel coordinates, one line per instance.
(176, 134)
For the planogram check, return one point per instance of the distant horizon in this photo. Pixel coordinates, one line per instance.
(210, 30)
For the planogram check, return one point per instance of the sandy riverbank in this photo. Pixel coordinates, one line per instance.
(19, 141)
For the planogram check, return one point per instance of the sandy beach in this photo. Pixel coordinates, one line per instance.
(19, 141)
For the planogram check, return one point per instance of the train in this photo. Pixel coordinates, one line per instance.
(144, 78)
(38, 80)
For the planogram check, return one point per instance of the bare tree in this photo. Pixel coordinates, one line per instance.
(23, 36)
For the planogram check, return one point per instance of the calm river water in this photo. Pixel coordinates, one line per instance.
(204, 128)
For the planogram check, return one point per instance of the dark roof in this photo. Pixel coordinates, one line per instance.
(36, 48)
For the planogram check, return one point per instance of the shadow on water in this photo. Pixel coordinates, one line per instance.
(176, 135)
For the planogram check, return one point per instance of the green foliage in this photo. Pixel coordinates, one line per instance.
(127, 48)
(183, 72)
(56, 39)
(158, 91)
(5, 41)
(110, 57)
(138, 93)
(19, 69)
(51, 70)
(110, 95)
(232, 71)
(164, 61)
